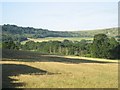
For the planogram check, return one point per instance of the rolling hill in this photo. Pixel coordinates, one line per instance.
(15, 33)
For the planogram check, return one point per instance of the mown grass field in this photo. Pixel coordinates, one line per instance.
(56, 39)
(24, 69)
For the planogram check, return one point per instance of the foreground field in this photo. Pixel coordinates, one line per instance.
(57, 39)
(23, 69)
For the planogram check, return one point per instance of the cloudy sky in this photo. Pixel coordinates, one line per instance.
(61, 16)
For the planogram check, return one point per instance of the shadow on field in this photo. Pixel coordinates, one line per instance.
(26, 56)
(15, 70)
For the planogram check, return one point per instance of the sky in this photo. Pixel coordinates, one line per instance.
(61, 16)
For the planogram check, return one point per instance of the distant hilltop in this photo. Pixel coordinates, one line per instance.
(30, 32)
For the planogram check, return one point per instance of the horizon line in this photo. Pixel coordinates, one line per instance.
(62, 30)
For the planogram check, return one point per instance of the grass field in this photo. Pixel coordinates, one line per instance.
(23, 69)
(56, 39)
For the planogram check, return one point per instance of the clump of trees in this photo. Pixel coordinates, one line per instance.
(104, 47)
(65, 47)
(101, 47)
(10, 45)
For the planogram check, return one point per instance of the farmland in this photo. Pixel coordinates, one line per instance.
(25, 69)
(57, 39)
(37, 58)
(48, 45)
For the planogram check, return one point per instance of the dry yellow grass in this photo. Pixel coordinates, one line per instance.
(47, 71)
(56, 39)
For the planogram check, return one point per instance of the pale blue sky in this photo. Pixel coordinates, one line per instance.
(61, 16)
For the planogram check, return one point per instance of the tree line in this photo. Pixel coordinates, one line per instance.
(101, 47)
(18, 33)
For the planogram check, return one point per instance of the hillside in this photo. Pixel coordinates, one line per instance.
(112, 32)
(22, 33)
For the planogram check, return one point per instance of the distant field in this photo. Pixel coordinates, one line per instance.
(56, 39)
(23, 69)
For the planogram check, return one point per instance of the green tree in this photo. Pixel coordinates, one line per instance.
(100, 46)
(9, 45)
(114, 48)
